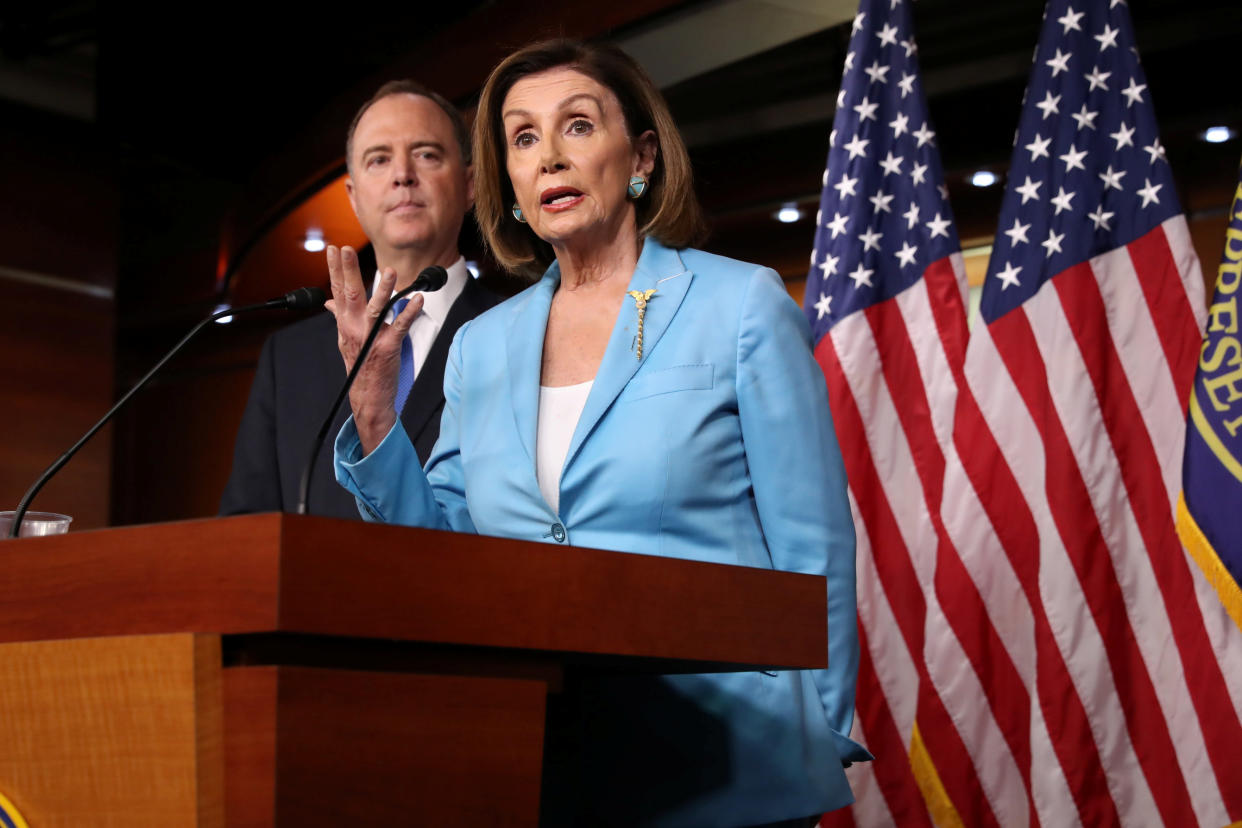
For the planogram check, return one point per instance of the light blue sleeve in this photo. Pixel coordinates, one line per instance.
(799, 478)
(390, 485)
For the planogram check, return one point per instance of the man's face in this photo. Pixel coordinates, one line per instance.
(407, 183)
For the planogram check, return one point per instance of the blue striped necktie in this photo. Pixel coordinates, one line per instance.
(405, 379)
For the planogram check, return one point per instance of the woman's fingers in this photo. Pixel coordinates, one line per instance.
(383, 292)
(352, 277)
(401, 324)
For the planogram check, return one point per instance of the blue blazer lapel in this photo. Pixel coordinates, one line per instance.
(659, 268)
(524, 349)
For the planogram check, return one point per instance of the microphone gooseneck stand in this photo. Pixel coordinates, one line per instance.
(431, 279)
(300, 299)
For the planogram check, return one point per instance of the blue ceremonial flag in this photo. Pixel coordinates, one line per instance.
(1208, 519)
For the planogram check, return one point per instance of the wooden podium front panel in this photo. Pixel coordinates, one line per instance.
(112, 731)
(347, 747)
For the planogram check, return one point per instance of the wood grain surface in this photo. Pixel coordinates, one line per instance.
(286, 573)
(113, 731)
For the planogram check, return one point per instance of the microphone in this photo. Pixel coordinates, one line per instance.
(431, 279)
(300, 299)
(304, 298)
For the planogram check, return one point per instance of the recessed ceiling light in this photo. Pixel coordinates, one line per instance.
(789, 213)
(983, 178)
(313, 243)
(1218, 134)
(223, 320)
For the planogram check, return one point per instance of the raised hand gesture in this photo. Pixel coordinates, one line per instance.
(374, 392)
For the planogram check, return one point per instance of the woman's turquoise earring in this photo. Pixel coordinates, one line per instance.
(636, 188)
(517, 213)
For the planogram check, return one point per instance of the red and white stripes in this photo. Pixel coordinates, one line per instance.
(1037, 645)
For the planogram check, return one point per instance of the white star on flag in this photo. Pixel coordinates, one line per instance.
(1112, 179)
(1017, 233)
(857, 146)
(1148, 192)
(1100, 218)
(938, 227)
(861, 276)
(1133, 93)
(1096, 78)
(1049, 104)
(870, 239)
(880, 202)
(824, 305)
(1029, 190)
(1070, 20)
(891, 165)
(837, 225)
(866, 110)
(1124, 136)
(1085, 119)
(845, 186)
(877, 73)
(906, 254)
(1053, 243)
(1073, 159)
(1038, 147)
(1062, 199)
(1107, 38)
(1059, 63)
(1009, 276)
(911, 216)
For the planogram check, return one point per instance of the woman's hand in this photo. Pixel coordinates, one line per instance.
(374, 392)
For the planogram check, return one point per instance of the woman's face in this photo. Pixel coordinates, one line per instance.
(570, 157)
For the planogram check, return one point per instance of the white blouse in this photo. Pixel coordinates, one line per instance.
(560, 407)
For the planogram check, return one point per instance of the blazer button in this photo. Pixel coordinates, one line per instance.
(558, 533)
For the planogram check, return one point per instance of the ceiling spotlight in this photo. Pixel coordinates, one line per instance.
(789, 213)
(983, 178)
(1218, 134)
(223, 320)
(313, 243)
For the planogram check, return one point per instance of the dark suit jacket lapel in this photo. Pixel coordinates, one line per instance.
(427, 395)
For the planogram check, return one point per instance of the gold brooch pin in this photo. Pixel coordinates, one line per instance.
(640, 302)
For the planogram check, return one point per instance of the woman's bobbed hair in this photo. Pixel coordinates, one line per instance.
(668, 212)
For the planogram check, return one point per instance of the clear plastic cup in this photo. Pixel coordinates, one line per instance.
(35, 524)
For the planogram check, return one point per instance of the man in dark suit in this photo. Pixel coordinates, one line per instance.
(410, 184)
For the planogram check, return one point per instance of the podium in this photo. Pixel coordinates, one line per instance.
(288, 670)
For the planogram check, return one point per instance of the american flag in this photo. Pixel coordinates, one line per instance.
(1038, 648)
(1093, 311)
(886, 300)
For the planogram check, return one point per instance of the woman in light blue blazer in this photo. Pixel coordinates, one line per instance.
(644, 397)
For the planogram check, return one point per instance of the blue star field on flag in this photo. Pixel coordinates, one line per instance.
(1088, 172)
(884, 214)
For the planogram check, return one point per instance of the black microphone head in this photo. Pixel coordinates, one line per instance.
(432, 278)
(304, 298)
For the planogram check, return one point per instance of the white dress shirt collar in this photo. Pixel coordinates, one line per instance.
(436, 303)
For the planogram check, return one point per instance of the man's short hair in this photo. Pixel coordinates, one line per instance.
(411, 87)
